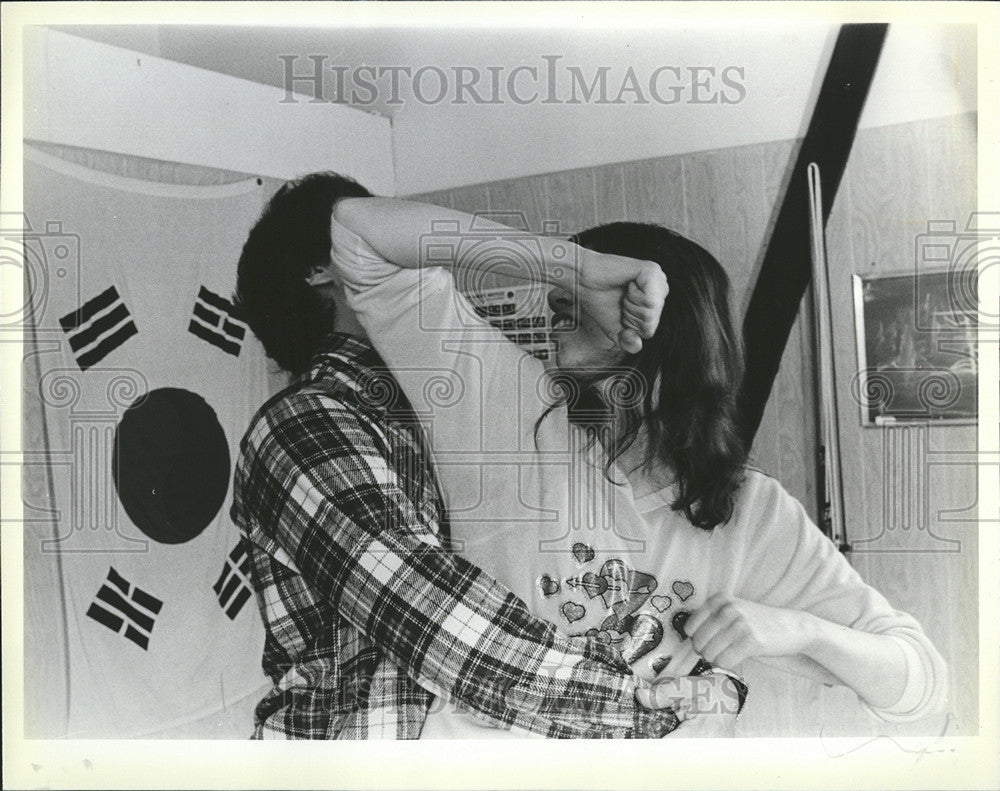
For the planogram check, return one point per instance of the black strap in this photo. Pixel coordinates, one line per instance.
(785, 271)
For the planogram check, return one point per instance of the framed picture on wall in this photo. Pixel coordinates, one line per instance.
(917, 355)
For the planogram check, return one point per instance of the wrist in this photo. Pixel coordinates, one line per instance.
(565, 264)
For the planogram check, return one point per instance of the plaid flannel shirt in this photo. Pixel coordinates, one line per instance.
(367, 615)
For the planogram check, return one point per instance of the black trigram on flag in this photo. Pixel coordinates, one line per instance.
(215, 320)
(232, 588)
(120, 604)
(98, 327)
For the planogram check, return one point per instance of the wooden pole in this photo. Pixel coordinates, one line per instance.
(830, 489)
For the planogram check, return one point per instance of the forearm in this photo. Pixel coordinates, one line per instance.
(811, 606)
(873, 665)
(405, 232)
(521, 668)
(623, 296)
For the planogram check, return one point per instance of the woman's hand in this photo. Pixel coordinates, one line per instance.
(624, 296)
(726, 630)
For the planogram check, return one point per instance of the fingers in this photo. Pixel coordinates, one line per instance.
(719, 632)
(723, 642)
(703, 613)
(644, 301)
(637, 323)
(632, 316)
(711, 637)
(692, 697)
(718, 622)
(629, 341)
(681, 663)
(652, 286)
(641, 308)
(714, 727)
(668, 693)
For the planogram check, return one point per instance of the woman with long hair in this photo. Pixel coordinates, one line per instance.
(612, 492)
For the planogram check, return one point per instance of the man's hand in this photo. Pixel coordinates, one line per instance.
(726, 630)
(710, 726)
(707, 705)
(624, 296)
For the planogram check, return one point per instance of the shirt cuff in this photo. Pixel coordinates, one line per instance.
(912, 700)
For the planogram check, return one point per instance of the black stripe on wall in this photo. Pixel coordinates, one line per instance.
(786, 269)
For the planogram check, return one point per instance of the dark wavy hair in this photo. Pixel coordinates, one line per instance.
(689, 372)
(291, 236)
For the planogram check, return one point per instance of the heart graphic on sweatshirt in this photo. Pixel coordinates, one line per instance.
(661, 603)
(635, 635)
(643, 634)
(640, 584)
(615, 575)
(683, 589)
(679, 621)
(582, 553)
(573, 611)
(626, 585)
(548, 585)
(660, 662)
(590, 583)
(620, 609)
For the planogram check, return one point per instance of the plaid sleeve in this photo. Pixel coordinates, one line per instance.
(321, 489)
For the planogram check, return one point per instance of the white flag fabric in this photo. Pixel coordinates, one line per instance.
(148, 378)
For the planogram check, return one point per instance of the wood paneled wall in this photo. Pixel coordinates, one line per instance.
(897, 179)
(911, 493)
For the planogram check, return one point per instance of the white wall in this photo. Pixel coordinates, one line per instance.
(452, 145)
(926, 71)
(84, 93)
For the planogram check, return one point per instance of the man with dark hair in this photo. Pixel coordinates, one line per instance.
(368, 616)
(293, 234)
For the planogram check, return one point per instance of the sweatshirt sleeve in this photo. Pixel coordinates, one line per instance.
(791, 564)
(472, 388)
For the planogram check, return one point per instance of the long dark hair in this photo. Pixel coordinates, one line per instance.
(292, 235)
(689, 373)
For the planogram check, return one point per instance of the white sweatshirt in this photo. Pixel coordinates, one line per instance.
(528, 501)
